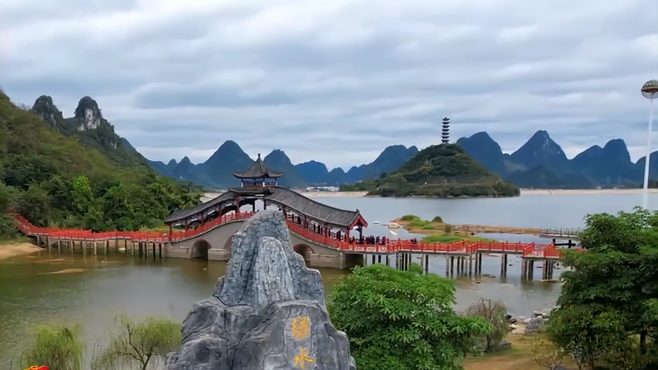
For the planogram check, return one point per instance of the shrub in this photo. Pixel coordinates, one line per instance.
(402, 319)
(138, 344)
(59, 347)
(494, 313)
(547, 354)
(409, 218)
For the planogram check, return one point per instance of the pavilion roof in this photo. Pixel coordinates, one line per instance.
(258, 170)
(280, 196)
(314, 209)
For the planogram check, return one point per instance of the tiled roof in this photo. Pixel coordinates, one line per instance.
(280, 196)
(258, 170)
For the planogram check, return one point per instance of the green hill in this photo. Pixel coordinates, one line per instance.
(440, 171)
(77, 181)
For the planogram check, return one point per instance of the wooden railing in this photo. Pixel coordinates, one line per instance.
(560, 233)
(530, 250)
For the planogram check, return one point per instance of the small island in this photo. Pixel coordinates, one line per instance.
(443, 171)
(438, 231)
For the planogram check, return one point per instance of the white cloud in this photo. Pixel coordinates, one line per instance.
(337, 81)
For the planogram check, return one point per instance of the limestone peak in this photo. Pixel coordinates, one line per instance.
(88, 113)
(48, 111)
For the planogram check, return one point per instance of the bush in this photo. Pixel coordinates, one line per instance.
(409, 218)
(138, 345)
(437, 219)
(494, 313)
(402, 319)
(59, 347)
(547, 354)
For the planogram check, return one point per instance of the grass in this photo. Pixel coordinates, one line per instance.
(519, 357)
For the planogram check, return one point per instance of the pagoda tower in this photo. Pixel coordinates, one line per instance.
(258, 175)
(445, 131)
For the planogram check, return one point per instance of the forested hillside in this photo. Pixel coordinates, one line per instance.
(439, 171)
(66, 181)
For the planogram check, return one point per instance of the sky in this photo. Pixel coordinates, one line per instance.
(338, 80)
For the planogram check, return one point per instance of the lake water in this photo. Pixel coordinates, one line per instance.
(117, 283)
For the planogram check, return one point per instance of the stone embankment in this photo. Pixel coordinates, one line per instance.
(267, 312)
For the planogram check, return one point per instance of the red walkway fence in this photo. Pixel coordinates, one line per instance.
(528, 250)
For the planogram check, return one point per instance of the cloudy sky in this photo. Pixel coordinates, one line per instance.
(337, 80)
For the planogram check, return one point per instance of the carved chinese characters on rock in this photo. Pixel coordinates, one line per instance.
(302, 359)
(301, 329)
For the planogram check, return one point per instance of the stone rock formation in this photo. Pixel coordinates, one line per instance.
(267, 312)
(88, 114)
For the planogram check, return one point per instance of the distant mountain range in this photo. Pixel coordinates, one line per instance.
(216, 172)
(539, 163)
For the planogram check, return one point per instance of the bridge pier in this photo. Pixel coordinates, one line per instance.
(503, 265)
(527, 269)
(547, 273)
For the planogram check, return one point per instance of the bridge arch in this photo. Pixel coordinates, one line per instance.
(200, 249)
(304, 250)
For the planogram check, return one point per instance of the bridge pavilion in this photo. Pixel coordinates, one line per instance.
(259, 183)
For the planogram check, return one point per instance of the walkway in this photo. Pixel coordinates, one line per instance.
(462, 248)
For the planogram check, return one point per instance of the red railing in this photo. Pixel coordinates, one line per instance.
(392, 246)
(141, 236)
(531, 250)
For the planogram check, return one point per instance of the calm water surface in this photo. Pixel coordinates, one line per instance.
(117, 283)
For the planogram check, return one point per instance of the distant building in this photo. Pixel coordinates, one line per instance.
(445, 131)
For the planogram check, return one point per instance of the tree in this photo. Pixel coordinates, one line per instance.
(34, 205)
(494, 313)
(606, 300)
(59, 347)
(402, 320)
(82, 195)
(547, 354)
(138, 345)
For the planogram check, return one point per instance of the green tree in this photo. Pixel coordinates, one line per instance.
(34, 204)
(117, 209)
(83, 198)
(402, 320)
(495, 313)
(138, 345)
(59, 347)
(7, 200)
(606, 299)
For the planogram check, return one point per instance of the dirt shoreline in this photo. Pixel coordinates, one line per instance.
(8, 250)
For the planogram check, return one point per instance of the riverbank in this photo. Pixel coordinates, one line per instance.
(13, 249)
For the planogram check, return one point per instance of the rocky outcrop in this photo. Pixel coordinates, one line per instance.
(45, 108)
(88, 114)
(267, 312)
